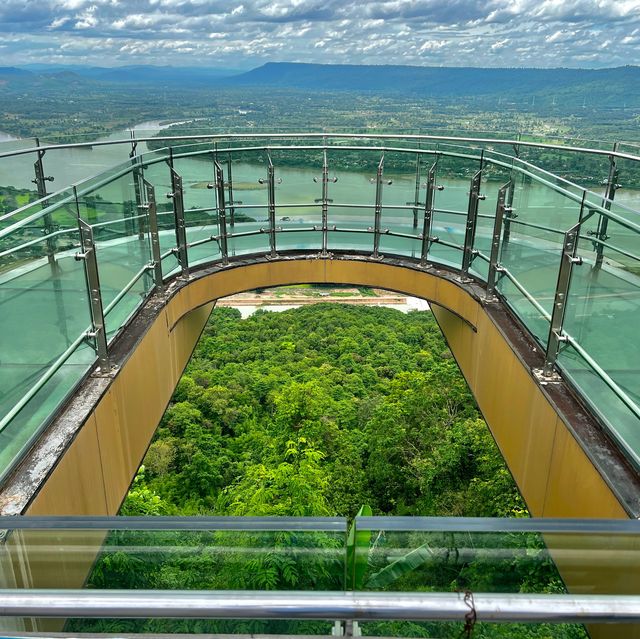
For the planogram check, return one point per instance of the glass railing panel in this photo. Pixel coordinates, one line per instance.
(355, 231)
(215, 554)
(72, 165)
(618, 408)
(456, 630)
(158, 175)
(199, 202)
(602, 310)
(531, 251)
(450, 208)
(45, 314)
(298, 184)
(246, 199)
(401, 196)
(34, 224)
(582, 169)
(494, 177)
(405, 554)
(352, 194)
(17, 174)
(123, 247)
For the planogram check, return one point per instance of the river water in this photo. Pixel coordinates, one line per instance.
(296, 187)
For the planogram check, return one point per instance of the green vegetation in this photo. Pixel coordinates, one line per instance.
(315, 412)
(308, 403)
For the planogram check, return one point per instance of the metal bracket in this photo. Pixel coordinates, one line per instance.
(427, 223)
(324, 253)
(495, 241)
(567, 262)
(271, 203)
(553, 378)
(152, 215)
(472, 218)
(603, 222)
(88, 254)
(378, 211)
(178, 212)
(222, 212)
(48, 226)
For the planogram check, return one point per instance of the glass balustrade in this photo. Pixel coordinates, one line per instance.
(393, 576)
(425, 201)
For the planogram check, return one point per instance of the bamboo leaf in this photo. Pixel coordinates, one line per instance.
(358, 551)
(400, 567)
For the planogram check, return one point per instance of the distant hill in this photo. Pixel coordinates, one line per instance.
(564, 88)
(142, 73)
(439, 81)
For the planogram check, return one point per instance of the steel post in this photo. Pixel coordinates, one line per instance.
(416, 198)
(378, 211)
(325, 206)
(139, 188)
(178, 213)
(472, 219)
(222, 212)
(568, 259)
(603, 221)
(232, 211)
(271, 196)
(427, 224)
(40, 182)
(88, 255)
(508, 213)
(495, 240)
(152, 215)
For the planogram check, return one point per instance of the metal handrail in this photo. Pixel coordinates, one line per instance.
(126, 168)
(324, 136)
(360, 606)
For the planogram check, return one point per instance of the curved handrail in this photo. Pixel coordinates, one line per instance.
(381, 136)
(212, 232)
(143, 161)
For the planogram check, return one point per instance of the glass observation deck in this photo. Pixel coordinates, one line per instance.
(382, 576)
(76, 264)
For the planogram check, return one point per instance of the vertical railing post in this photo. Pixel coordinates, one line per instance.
(40, 182)
(495, 240)
(88, 255)
(325, 207)
(139, 188)
(472, 219)
(378, 211)
(416, 198)
(178, 213)
(152, 215)
(603, 221)
(231, 202)
(568, 259)
(508, 211)
(271, 203)
(222, 212)
(427, 224)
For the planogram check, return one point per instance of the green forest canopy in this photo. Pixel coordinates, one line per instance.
(314, 412)
(318, 410)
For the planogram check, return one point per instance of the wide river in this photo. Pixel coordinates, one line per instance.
(535, 202)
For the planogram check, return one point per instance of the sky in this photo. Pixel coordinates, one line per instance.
(246, 33)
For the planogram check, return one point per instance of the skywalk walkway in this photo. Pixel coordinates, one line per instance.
(77, 265)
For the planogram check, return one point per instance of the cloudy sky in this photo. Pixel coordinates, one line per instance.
(246, 33)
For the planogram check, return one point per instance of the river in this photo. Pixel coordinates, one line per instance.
(296, 187)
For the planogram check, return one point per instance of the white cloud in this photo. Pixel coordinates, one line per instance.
(87, 19)
(458, 32)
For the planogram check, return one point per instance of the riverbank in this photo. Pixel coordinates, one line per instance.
(281, 299)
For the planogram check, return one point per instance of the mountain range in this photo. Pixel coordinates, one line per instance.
(607, 86)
